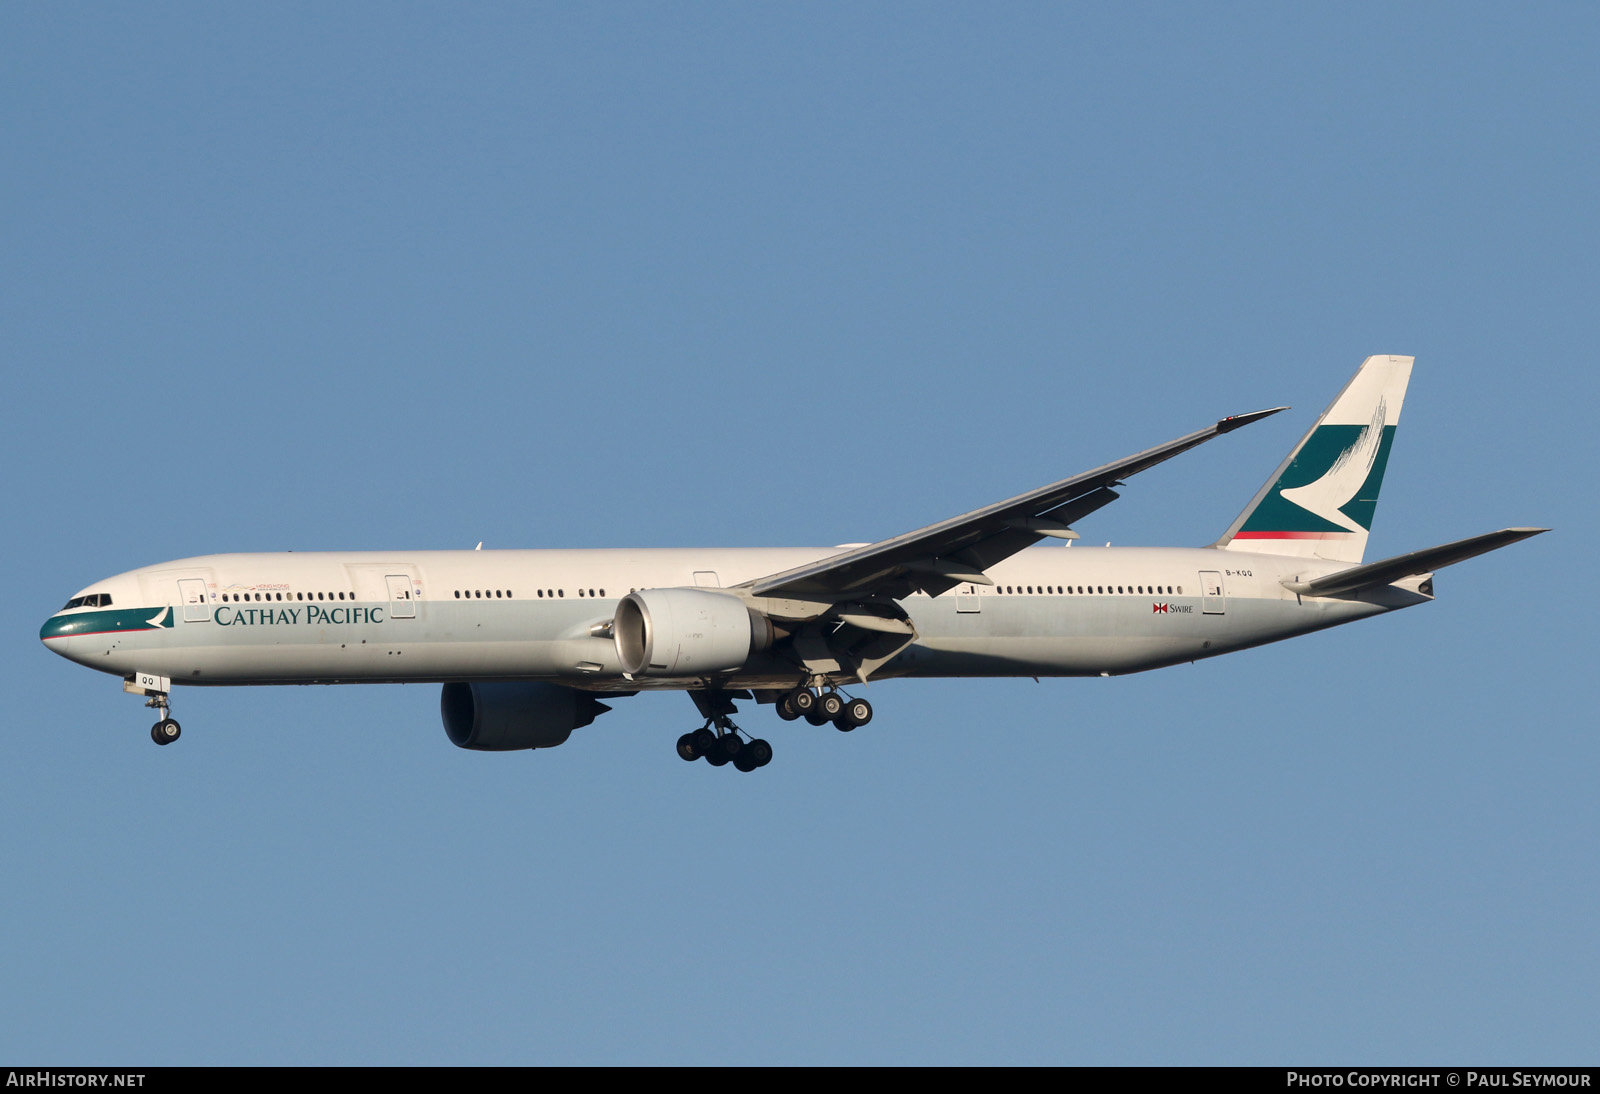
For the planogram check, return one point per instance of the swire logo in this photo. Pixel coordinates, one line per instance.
(1162, 608)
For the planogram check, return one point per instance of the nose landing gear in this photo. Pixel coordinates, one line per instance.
(156, 690)
(167, 729)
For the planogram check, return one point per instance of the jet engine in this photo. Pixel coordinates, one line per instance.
(498, 717)
(686, 632)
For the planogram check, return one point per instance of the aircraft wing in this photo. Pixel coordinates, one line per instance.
(941, 556)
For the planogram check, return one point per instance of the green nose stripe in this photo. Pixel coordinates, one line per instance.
(118, 621)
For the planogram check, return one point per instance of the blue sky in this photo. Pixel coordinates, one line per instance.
(670, 275)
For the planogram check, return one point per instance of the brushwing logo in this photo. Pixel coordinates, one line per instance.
(1328, 495)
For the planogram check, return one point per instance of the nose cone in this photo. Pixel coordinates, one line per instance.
(59, 635)
(57, 626)
(59, 629)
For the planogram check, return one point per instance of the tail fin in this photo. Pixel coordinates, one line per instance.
(1319, 503)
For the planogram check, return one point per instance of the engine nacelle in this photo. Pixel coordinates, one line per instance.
(686, 632)
(498, 717)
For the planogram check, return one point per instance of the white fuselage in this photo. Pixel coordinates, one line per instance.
(371, 617)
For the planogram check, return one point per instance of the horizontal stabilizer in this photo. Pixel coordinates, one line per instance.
(1390, 570)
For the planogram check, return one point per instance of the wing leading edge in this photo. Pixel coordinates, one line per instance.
(941, 556)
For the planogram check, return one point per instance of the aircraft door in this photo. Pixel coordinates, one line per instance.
(192, 595)
(1213, 601)
(401, 603)
(967, 601)
(707, 579)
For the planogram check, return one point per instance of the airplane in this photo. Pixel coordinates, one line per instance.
(526, 642)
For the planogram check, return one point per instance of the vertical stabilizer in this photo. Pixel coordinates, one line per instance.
(1319, 503)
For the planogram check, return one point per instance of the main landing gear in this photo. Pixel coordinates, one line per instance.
(820, 708)
(718, 743)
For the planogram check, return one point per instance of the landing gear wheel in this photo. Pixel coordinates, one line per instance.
(803, 700)
(816, 717)
(165, 731)
(856, 713)
(716, 758)
(687, 749)
(830, 705)
(785, 708)
(759, 752)
(704, 741)
(729, 745)
(744, 762)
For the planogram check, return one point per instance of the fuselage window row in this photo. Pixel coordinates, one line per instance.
(1057, 590)
(505, 594)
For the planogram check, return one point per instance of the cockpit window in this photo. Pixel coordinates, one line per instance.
(93, 600)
